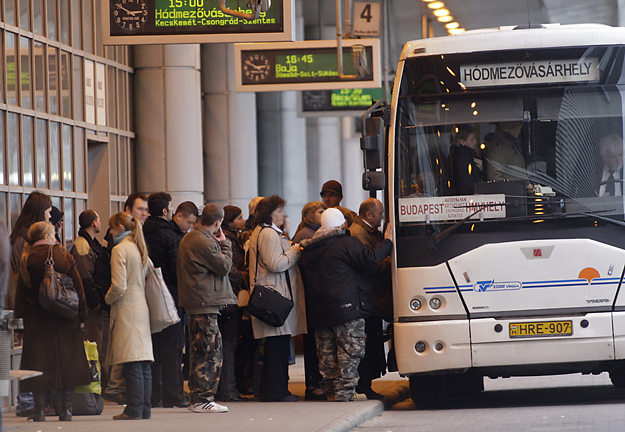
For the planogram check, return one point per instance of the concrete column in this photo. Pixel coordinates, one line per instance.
(229, 125)
(282, 151)
(282, 159)
(169, 131)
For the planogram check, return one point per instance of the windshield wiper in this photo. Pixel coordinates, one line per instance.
(444, 234)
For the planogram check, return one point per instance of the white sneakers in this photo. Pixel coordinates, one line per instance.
(207, 407)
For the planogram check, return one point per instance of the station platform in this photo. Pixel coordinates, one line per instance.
(250, 416)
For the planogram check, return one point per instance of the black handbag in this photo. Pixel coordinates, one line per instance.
(56, 292)
(267, 304)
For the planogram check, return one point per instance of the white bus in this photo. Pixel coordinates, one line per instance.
(521, 272)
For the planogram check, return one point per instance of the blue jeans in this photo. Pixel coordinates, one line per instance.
(138, 389)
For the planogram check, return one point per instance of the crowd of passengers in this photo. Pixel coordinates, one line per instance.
(336, 269)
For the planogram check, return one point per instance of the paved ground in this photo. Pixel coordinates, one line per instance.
(561, 403)
(251, 416)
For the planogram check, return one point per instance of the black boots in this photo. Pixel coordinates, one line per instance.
(39, 414)
(65, 396)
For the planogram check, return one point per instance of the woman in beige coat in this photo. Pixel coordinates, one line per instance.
(130, 342)
(277, 260)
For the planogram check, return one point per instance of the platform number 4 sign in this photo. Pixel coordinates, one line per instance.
(366, 19)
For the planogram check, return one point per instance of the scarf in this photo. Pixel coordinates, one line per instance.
(122, 236)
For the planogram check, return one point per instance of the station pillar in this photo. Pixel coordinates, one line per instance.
(229, 125)
(168, 121)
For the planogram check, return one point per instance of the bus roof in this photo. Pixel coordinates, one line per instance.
(509, 38)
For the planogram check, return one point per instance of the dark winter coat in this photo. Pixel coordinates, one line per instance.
(464, 170)
(162, 242)
(238, 272)
(5, 262)
(334, 267)
(307, 232)
(176, 229)
(52, 345)
(88, 254)
(380, 275)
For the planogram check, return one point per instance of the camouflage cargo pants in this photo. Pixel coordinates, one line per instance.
(340, 349)
(206, 357)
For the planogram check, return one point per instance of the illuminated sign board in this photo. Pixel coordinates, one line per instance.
(135, 22)
(308, 65)
(344, 102)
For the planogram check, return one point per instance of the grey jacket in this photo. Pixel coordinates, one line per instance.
(203, 267)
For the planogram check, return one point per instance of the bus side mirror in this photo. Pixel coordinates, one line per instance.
(373, 180)
(372, 142)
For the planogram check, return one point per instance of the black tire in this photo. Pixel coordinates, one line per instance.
(427, 391)
(467, 384)
(617, 375)
(433, 391)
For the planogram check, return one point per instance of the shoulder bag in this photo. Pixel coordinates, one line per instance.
(163, 312)
(56, 292)
(267, 304)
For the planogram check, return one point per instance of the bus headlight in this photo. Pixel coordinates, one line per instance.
(415, 304)
(435, 303)
(420, 347)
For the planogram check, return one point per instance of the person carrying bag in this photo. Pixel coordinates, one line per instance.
(273, 266)
(56, 293)
(161, 305)
(267, 304)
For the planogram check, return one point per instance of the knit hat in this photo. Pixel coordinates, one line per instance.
(332, 186)
(332, 218)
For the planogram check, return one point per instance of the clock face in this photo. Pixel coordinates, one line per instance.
(256, 67)
(130, 14)
(315, 99)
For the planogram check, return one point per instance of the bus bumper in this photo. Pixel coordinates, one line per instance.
(447, 346)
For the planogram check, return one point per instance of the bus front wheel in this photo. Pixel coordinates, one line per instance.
(432, 391)
(617, 374)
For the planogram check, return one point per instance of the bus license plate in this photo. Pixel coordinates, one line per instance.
(541, 329)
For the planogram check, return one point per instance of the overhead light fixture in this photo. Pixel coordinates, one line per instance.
(456, 31)
(441, 12)
(445, 19)
(436, 5)
(427, 1)
(452, 25)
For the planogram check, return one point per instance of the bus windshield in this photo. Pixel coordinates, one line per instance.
(505, 139)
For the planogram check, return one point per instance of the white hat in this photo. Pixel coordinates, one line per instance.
(332, 218)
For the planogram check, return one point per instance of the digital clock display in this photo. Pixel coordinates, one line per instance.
(305, 65)
(189, 17)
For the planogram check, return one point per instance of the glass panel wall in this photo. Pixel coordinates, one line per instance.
(44, 79)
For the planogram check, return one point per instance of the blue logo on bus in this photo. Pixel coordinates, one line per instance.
(483, 286)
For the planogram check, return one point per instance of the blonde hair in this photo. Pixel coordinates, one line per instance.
(131, 224)
(309, 210)
(38, 231)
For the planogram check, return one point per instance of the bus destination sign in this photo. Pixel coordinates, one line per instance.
(134, 22)
(309, 65)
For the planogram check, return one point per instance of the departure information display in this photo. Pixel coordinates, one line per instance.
(304, 65)
(192, 21)
(338, 102)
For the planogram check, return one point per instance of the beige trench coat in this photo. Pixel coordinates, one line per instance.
(276, 256)
(131, 338)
